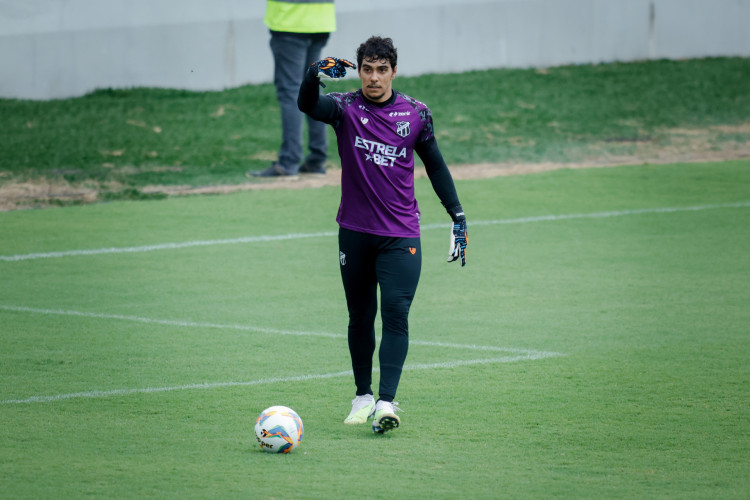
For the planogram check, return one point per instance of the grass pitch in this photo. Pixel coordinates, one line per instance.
(114, 144)
(595, 345)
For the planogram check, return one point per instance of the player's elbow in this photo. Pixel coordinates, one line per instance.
(301, 105)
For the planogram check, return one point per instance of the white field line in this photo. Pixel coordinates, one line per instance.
(257, 329)
(516, 355)
(165, 246)
(295, 236)
(614, 213)
(169, 322)
(264, 381)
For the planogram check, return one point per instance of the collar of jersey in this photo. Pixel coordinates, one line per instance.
(383, 104)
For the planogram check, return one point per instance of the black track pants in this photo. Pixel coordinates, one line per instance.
(368, 261)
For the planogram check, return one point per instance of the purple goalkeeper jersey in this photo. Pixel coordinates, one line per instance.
(376, 146)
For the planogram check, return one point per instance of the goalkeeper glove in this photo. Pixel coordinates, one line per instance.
(332, 67)
(459, 239)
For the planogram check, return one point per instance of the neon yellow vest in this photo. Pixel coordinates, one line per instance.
(301, 16)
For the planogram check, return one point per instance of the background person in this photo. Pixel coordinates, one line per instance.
(299, 31)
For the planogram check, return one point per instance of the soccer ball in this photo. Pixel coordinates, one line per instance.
(278, 429)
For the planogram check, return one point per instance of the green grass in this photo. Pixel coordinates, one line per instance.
(122, 140)
(648, 309)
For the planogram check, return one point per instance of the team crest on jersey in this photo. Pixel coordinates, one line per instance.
(403, 128)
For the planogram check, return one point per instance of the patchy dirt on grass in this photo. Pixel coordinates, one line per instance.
(717, 143)
(44, 192)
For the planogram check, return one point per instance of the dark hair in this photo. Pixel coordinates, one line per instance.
(377, 48)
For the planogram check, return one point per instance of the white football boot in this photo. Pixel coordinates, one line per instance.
(362, 407)
(384, 417)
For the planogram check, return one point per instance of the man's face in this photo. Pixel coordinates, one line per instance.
(377, 79)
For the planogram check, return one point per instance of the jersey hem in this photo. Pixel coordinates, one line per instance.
(377, 232)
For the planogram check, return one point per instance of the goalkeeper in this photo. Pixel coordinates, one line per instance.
(378, 130)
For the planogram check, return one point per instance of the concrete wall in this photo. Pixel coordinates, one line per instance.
(62, 48)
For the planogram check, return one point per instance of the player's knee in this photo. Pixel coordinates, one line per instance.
(362, 317)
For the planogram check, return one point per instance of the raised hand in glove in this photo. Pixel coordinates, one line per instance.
(332, 67)
(459, 240)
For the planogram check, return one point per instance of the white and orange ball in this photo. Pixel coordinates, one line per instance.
(278, 429)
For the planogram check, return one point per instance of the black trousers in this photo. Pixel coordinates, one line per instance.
(394, 264)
